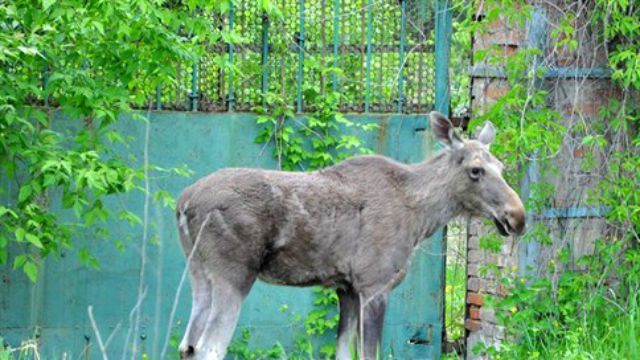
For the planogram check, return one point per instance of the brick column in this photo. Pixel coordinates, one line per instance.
(480, 322)
(578, 99)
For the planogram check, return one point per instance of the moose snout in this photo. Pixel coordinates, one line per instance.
(514, 218)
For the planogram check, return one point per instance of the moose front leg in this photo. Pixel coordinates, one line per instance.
(372, 318)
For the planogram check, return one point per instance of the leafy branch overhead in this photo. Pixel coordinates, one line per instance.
(91, 62)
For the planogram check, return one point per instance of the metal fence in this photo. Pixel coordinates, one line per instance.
(379, 55)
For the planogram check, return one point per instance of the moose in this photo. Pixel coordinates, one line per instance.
(352, 227)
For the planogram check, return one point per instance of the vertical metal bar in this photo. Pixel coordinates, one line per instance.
(177, 90)
(230, 97)
(194, 86)
(380, 93)
(323, 41)
(336, 42)
(403, 31)
(362, 48)
(265, 58)
(283, 63)
(535, 38)
(221, 70)
(158, 97)
(45, 81)
(420, 93)
(300, 58)
(443, 45)
(528, 252)
(367, 92)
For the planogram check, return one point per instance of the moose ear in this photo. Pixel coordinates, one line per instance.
(487, 134)
(443, 129)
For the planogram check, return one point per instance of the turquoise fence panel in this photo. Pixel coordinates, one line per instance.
(56, 308)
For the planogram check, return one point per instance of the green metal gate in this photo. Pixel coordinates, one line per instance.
(282, 57)
(382, 56)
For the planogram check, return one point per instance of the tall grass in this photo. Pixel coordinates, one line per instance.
(455, 288)
(28, 350)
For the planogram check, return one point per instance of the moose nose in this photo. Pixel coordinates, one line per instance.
(516, 220)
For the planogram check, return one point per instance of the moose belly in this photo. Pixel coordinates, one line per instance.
(299, 268)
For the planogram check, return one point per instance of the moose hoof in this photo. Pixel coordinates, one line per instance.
(187, 352)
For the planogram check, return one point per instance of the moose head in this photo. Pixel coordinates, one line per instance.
(476, 175)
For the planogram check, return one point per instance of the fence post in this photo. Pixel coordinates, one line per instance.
(442, 98)
(300, 58)
(194, 86)
(403, 31)
(367, 91)
(265, 58)
(230, 97)
(45, 80)
(536, 34)
(158, 97)
(442, 47)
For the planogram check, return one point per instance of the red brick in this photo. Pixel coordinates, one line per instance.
(501, 32)
(475, 298)
(496, 89)
(501, 290)
(472, 325)
(474, 312)
(587, 107)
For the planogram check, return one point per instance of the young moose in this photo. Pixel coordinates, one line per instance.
(352, 226)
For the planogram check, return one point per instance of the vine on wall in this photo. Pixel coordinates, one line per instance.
(575, 307)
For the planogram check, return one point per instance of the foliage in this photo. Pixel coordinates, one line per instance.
(310, 339)
(455, 288)
(309, 342)
(312, 141)
(586, 308)
(87, 61)
(240, 349)
(27, 350)
(587, 314)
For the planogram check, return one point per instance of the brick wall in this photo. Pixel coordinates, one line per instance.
(577, 100)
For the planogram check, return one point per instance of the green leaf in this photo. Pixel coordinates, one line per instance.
(587, 140)
(19, 232)
(34, 240)
(19, 261)
(28, 50)
(25, 192)
(31, 270)
(88, 259)
(46, 4)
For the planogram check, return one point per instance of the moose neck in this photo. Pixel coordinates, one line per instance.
(432, 188)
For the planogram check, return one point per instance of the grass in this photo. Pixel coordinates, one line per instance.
(27, 350)
(455, 286)
(589, 312)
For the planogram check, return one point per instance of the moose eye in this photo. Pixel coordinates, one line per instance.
(475, 173)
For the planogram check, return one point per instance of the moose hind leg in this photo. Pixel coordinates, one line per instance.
(201, 290)
(372, 313)
(226, 302)
(349, 310)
